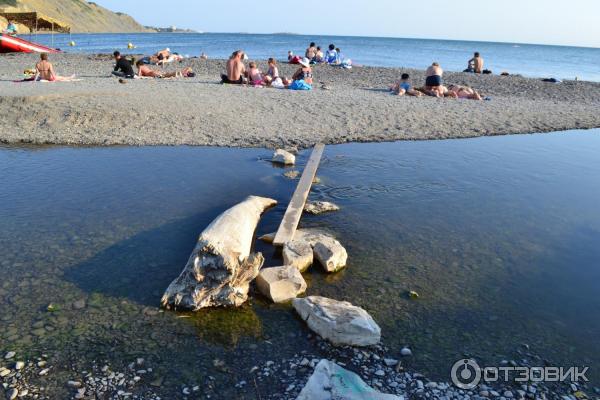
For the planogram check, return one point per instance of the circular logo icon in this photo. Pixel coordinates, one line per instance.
(465, 374)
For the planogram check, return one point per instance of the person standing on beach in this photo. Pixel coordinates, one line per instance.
(123, 68)
(311, 52)
(475, 64)
(235, 69)
(433, 80)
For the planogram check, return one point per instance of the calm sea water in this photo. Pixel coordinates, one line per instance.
(498, 235)
(530, 60)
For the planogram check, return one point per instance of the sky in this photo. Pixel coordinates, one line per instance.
(573, 22)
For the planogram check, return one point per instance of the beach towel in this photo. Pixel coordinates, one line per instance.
(300, 85)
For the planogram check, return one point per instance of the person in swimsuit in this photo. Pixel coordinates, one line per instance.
(236, 70)
(463, 92)
(311, 52)
(145, 71)
(44, 71)
(475, 64)
(304, 73)
(272, 73)
(255, 76)
(403, 87)
(319, 57)
(433, 80)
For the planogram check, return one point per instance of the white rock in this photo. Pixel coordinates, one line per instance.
(390, 362)
(19, 365)
(320, 207)
(338, 321)
(10, 355)
(332, 382)
(281, 284)
(221, 267)
(12, 394)
(406, 352)
(283, 157)
(299, 254)
(331, 254)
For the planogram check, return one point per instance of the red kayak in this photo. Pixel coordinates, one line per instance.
(12, 44)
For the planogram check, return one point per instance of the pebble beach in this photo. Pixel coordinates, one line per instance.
(345, 106)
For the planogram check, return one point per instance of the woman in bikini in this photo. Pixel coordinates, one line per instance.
(304, 73)
(463, 92)
(145, 71)
(44, 71)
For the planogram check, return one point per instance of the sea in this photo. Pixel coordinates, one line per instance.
(531, 60)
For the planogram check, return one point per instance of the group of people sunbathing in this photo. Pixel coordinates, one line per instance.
(434, 86)
(315, 55)
(238, 74)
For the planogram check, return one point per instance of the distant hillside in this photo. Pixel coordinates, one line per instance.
(81, 15)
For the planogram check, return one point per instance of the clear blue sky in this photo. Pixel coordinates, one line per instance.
(573, 22)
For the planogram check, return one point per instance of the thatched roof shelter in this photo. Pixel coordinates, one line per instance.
(36, 21)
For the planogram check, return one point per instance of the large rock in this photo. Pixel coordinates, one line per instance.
(283, 157)
(281, 284)
(329, 381)
(338, 321)
(320, 207)
(330, 253)
(220, 269)
(299, 254)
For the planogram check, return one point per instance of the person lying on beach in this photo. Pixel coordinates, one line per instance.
(255, 76)
(145, 71)
(44, 71)
(235, 69)
(462, 92)
(163, 54)
(433, 81)
(123, 68)
(403, 87)
(311, 52)
(303, 77)
(475, 64)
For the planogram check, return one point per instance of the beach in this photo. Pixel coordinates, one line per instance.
(98, 110)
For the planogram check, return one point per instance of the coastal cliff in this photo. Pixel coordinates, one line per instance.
(82, 16)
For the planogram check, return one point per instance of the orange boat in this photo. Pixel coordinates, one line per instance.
(13, 44)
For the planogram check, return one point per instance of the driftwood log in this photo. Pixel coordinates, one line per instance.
(220, 269)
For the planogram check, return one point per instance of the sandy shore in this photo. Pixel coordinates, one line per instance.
(100, 111)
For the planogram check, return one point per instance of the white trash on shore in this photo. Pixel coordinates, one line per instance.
(338, 321)
(220, 269)
(329, 381)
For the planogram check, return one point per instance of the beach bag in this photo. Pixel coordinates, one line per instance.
(300, 85)
(277, 84)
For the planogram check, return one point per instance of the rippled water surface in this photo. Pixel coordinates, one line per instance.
(499, 236)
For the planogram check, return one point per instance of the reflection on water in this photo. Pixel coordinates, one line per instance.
(499, 236)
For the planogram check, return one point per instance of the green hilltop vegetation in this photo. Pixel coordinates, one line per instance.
(82, 16)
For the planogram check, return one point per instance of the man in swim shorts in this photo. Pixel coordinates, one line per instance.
(235, 69)
(433, 82)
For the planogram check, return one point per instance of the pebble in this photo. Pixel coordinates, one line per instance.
(10, 355)
(19, 365)
(74, 384)
(405, 352)
(44, 372)
(12, 394)
(508, 394)
(390, 362)
(380, 372)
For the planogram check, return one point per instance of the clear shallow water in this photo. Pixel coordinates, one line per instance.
(498, 235)
(529, 60)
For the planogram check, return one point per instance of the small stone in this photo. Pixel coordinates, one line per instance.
(298, 253)
(186, 391)
(41, 363)
(4, 372)
(281, 284)
(331, 254)
(44, 372)
(19, 365)
(12, 394)
(10, 355)
(405, 352)
(508, 394)
(293, 174)
(23, 392)
(320, 207)
(74, 384)
(79, 304)
(390, 362)
(431, 385)
(139, 361)
(283, 157)
(380, 372)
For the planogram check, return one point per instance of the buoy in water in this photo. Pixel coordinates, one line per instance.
(130, 45)
(72, 43)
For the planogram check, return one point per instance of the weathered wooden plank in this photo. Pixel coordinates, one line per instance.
(292, 216)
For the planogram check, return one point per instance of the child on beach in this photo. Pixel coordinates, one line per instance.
(255, 77)
(272, 73)
(403, 87)
(319, 58)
